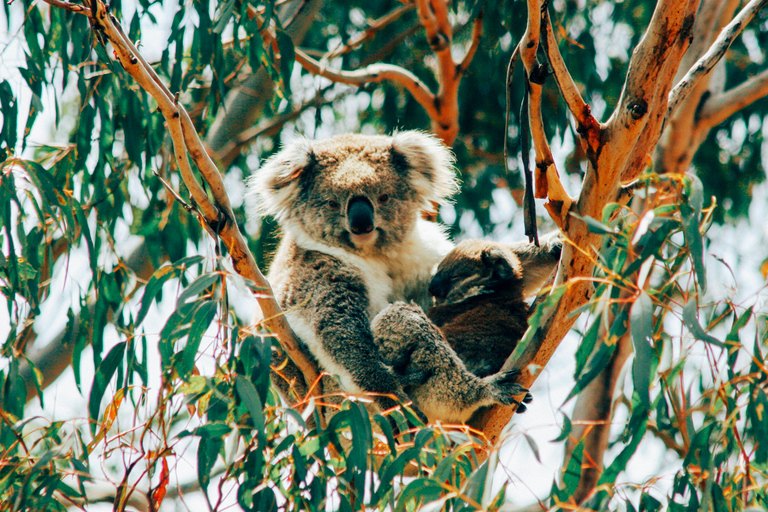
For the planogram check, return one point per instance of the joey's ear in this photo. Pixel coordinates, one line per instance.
(275, 184)
(429, 163)
(503, 267)
(538, 263)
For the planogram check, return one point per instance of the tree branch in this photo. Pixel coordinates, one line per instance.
(477, 34)
(51, 360)
(219, 216)
(587, 126)
(705, 64)
(373, 73)
(722, 106)
(655, 53)
(374, 27)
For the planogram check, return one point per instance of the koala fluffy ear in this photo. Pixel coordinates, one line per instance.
(430, 165)
(503, 266)
(275, 184)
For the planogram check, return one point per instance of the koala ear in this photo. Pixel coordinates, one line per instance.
(502, 266)
(275, 184)
(430, 165)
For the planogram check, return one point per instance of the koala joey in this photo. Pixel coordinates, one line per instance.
(479, 290)
(430, 371)
(354, 241)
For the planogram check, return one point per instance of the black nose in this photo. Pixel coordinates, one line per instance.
(360, 215)
(440, 286)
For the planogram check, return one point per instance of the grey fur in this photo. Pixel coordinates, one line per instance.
(331, 282)
(430, 371)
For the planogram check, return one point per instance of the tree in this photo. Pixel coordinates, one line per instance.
(632, 275)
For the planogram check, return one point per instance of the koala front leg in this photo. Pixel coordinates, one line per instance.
(331, 316)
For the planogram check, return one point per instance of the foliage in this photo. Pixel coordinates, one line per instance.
(174, 371)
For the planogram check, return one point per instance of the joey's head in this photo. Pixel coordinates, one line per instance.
(476, 267)
(362, 193)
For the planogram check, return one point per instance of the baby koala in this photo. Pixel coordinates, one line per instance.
(479, 291)
(431, 373)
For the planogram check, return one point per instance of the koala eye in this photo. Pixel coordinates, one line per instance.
(383, 198)
(333, 205)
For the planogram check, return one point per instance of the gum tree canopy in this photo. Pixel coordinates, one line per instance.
(129, 267)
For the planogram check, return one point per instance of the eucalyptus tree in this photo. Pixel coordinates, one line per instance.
(622, 118)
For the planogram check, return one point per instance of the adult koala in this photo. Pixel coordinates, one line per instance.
(354, 241)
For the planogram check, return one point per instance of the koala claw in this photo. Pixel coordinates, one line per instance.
(508, 389)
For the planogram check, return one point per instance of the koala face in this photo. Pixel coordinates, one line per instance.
(361, 193)
(475, 267)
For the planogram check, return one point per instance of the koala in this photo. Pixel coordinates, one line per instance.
(353, 242)
(479, 291)
(431, 373)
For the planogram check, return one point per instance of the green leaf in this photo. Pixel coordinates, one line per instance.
(287, 56)
(10, 112)
(566, 430)
(225, 9)
(420, 491)
(104, 374)
(641, 328)
(253, 405)
(571, 474)
(207, 452)
(691, 216)
(200, 284)
(595, 226)
(587, 345)
(534, 447)
(620, 462)
(386, 429)
(200, 322)
(691, 321)
(213, 430)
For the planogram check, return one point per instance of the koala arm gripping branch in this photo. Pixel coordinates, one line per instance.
(331, 317)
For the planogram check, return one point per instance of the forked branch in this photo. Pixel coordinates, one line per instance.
(705, 64)
(442, 107)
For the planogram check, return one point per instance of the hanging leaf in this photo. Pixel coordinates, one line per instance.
(641, 327)
(104, 374)
(691, 321)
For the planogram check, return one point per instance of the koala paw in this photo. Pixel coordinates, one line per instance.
(508, 389)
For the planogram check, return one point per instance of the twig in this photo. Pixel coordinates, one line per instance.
(437, 37)
(442, 107)
(529, 44)
(547, 179)
(68, 6)
(477, 34)
(705, 64)
(374, 27)
(720, 107)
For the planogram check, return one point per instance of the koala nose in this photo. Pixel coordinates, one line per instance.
(360, 215)
(439, 286)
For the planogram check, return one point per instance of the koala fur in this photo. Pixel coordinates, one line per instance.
(479, 292)
(430, 371)
(354, 241)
